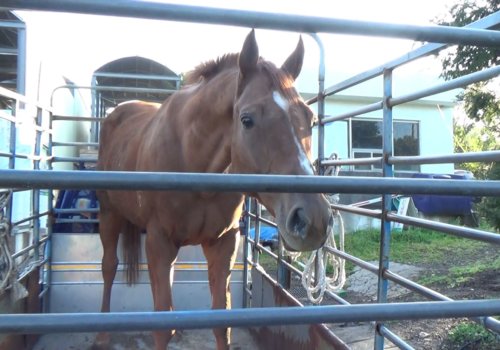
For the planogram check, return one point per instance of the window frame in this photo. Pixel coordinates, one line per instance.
(375, 152)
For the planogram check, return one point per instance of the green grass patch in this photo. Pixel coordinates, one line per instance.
(416, 246)
(462, 274)
(413, 246)
(472, 336)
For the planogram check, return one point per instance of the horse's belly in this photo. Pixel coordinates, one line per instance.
(197, 219)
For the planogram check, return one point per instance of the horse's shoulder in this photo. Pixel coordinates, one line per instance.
(130, 110)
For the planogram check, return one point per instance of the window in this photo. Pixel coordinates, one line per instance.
(367, 142)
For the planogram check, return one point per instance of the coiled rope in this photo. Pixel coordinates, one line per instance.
(6, 263)
(314, 277)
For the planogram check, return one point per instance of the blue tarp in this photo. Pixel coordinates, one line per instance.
(443, 204)
(267, 234)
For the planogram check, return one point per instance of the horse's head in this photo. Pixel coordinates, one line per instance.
(272, 135)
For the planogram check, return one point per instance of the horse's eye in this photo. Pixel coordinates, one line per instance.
(246, 120)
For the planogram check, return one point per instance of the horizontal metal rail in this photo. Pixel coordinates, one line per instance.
(253, 19)
(362, 110)
(117, 88)
(74, 159)
(76, 144)
(425, 50)
(74, 118)
(117, 180)
(264, 220)
(445, 86)
(136, 76)
(459, 231)
(30, 218)
(32, 267)
(396, 340)
(76, 221)
(76, 210)
(377, 214)
(6, 154)
(21, 98)
(29, 248)
(485, 156)
(8, 117)
(353, 161)
(12, 24)
(266, 316)
(356, 261)
(460, 82)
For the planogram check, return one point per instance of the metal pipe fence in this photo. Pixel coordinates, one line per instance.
(253, 19)
(25, 114)
(126, 321)
(386, 186)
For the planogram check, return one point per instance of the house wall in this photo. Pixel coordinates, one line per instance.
(435, 120)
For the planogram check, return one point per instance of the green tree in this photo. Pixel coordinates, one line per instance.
(481, 101)
(490, 206)
(474, 137)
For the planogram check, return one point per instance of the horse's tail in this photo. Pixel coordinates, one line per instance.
(131, 251)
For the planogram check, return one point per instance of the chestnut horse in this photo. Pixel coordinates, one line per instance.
(236, 114)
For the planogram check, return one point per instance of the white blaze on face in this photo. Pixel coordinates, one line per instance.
(280, 101)
(304, 160)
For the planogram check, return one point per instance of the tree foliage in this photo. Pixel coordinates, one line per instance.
(482, 100)
(471, 137)
(489, 206)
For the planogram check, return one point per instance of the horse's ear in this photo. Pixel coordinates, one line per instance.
(293, 63)
(249, 55)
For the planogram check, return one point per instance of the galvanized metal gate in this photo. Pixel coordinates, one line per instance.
(35, 181)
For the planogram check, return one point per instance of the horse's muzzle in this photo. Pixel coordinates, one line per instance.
(298, 223)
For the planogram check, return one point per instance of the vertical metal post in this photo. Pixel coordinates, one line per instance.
(284, 274)
(321, 126)
(12, 155)
(46, 277)
(245, 251)
(387, 170)
(321, 102)
(256, 249)
(35, 193)
(94, 110)
(21, 61)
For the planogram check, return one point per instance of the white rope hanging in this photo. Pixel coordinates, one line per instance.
(317, 283)
(316, 286)
(6, 274)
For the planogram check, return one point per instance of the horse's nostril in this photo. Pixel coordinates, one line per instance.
(298, 222)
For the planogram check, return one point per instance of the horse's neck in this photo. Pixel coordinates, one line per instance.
(202, 118)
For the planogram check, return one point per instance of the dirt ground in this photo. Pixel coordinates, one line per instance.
(184, 340)
(420, 334)
(432, 334)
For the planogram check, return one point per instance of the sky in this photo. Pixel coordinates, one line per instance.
(76, 45)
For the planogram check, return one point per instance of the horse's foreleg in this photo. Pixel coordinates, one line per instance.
(161, 255)
(221, 255)
(109, 230)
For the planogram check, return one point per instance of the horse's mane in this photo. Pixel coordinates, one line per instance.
(207, 70)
